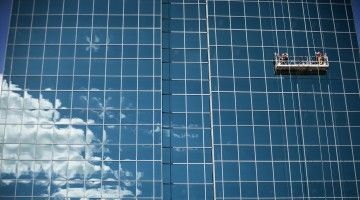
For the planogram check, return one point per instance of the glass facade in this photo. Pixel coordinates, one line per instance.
(284, 136)
(178, 99)
(81, 102)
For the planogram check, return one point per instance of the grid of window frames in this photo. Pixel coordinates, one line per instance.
(187, 158)
(284, 136)
(80, 110)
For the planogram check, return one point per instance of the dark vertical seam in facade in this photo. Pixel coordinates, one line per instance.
(5, 32)
(165, 80)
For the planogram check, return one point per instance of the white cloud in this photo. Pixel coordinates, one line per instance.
(34, 131)
(102, 193)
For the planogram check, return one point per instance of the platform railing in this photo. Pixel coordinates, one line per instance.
(301, 63)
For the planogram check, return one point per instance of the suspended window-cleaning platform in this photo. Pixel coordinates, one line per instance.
(317, 64)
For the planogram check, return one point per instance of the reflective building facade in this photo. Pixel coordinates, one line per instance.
(178, 99)
(81, 101)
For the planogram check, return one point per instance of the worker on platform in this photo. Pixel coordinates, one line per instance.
(284, 57)
(320, 57)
